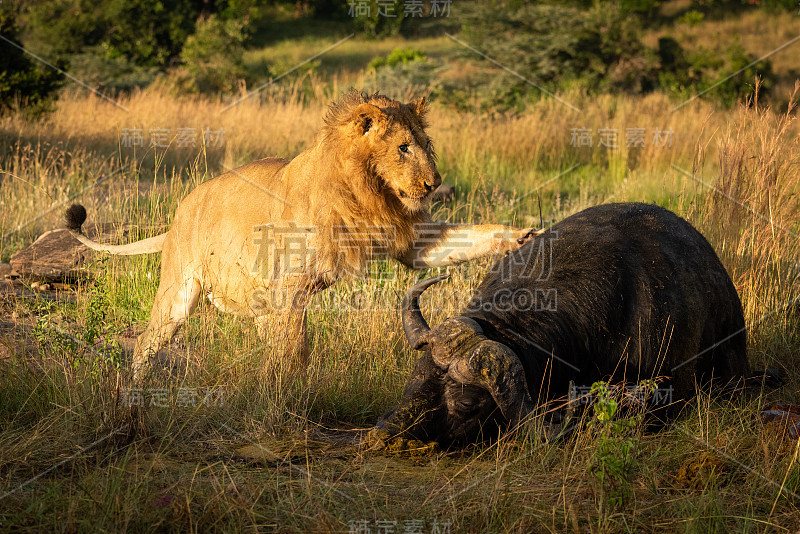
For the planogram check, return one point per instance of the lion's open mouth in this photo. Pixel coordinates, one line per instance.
(403, 194)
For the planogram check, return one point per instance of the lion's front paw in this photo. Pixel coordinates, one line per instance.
(528, 235)
(516, 239)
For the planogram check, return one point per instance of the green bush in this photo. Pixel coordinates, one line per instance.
(122, 44)
(398, 55)
(96, 68)
(146, 32)
(716, 68)
(691, 17)
(600, 49)
(709, 72)
(212, 56)
(24, 83)
(553, 45)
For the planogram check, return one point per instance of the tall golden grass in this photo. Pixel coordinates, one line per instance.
(734, 174)
(50, 160)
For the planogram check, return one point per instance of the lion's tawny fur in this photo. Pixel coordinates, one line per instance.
(357, 193)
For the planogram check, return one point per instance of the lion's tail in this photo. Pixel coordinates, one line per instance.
(75, 217)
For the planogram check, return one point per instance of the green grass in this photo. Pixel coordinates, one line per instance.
(345, 61)
(105, 467)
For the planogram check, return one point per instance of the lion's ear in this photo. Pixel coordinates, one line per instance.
(420, 108)
(368, 118)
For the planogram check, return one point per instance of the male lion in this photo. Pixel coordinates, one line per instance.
(272, 233)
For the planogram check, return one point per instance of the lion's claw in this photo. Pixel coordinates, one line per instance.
(529, 235)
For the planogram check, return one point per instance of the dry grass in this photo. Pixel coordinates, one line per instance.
(182, 468)
(512, 154)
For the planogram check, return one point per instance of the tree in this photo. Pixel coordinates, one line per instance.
(147, 32)
(23, 82)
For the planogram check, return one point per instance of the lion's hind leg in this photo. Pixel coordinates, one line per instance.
(174, 303)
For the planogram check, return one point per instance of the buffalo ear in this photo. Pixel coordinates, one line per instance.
(497, 369)
(368, 118)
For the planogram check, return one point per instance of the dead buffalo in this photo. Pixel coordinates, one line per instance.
(618, 292)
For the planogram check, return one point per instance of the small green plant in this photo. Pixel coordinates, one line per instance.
(97, 324)
(91, 346)
(617, 446)
(47, 334)
(691, 17)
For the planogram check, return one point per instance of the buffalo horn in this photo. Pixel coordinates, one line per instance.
(414, 323)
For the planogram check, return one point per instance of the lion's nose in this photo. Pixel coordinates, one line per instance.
(437, 181)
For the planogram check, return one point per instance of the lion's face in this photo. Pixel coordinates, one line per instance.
(400, 152)
(407, 163)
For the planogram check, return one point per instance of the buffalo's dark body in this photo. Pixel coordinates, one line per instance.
(622, 292)
(639, 293)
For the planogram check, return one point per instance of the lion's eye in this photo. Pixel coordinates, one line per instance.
(403, 147)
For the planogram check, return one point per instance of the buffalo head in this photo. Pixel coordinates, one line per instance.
(463, 386)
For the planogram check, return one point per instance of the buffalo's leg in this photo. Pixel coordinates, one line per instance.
(173, 304)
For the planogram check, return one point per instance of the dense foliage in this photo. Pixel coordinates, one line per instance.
(23, 82)
(544, 46)
(600, 48)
